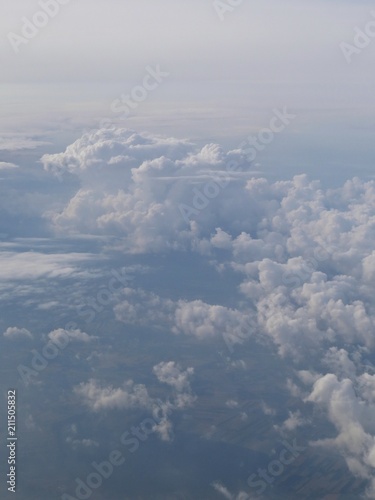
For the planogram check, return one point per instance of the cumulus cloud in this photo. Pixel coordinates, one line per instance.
(144, 308)
(139, 186)
(350, 408)
(293, 421)
(136, 396)
(304, 254)
(319, 310)
(267, 410)
(79, 443)
(338, 361)
(231, 403)
(60, 335)
(133, 185)
(98, 398)
(170, 373)
(196, 318)
(205, 321)
(15, 333)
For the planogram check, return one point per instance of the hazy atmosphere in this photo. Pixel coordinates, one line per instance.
(187, 229)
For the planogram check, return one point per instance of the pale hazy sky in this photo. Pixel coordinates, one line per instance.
(225, 76)
(260, 41)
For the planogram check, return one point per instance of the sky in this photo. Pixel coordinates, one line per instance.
(227, 70)
(187, 202)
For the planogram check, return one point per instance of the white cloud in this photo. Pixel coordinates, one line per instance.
(144, 308)
(353, 416)
(134, 185)
(305, 254)
(60, 335)
(15, 143)
(337, 360)
(6, 166)
(99, 398)
(231, 403)
(196, 318)
(223, 490)
(267, 410)
(293, 421)
(15, 333)
(205, 321)
(170, 373)
(27, 266)
(136, 396)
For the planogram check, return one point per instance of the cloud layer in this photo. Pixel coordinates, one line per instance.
(304, 255)
(136, 396)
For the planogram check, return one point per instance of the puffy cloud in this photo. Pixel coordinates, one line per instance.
(231, 403)
(144, 308)
(267, 410)
(293, 421)
(76, 443)
(352, 414)
(60, 335)
(170, 373)
(139, 186)
(99, 398)
(164, 427)
(196, 318)
(205, 320)
(15, 333)
(223, 490)
(221, 239)
(308, 377)
(303, 308)
(305, 255)
(136, 396)
(116, 151)
(339, 362)
(135, 185)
